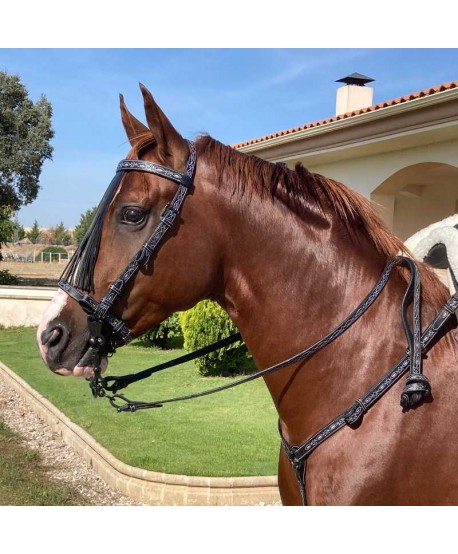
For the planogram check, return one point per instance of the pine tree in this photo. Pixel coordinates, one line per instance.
(84, 224)
(61, 235)
(34, 234)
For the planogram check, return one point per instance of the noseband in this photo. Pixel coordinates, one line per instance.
(101, 320)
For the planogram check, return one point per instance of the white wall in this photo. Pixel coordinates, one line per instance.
(387, 178)
(414, 213)
(365, 174)
(23, 305)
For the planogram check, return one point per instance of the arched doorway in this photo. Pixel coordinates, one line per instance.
(416, 196)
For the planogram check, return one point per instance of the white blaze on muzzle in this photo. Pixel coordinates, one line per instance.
(53, 311)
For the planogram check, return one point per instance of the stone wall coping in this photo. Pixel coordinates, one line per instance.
(26, 293)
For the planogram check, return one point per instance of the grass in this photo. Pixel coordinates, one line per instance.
(24, 480)
(232, 433)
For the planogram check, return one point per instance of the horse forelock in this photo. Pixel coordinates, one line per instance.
(80, 270)
(142, 142)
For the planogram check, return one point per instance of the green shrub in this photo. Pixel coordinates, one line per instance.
(6, 278)
(48, 253)
(206, 323)
(165, 335)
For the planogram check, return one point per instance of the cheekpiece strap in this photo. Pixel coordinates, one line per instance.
(167, 219)
(101, 311)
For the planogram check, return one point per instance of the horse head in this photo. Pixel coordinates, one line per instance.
(179, 272)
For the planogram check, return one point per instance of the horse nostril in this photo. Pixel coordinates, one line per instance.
(55, 336)
(52, 337)
(54, 340)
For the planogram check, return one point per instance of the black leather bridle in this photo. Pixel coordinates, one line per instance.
(103, 324)
(100, 316)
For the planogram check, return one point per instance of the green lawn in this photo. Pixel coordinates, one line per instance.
(232, 433)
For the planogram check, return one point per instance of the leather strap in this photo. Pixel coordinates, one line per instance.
(132, 405)
(184, 179)
(298, 454)
(90, 306)
(101, 311)
(417, 386)
(113, 383)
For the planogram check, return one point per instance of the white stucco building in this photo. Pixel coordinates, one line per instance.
(402, 153)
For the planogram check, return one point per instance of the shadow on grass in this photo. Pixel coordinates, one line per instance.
(25, 481)
(37, 282)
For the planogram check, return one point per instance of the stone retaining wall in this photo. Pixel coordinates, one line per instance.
(23, 305)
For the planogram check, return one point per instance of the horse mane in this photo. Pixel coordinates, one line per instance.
(300, 188)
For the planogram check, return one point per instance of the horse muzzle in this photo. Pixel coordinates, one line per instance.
(53, 343)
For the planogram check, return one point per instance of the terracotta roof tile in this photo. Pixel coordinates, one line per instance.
(385, 104)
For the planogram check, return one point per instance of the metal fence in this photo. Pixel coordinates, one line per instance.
(31, 257)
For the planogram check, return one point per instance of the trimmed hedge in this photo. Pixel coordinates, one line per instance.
(206, 323)
(7, 278)
(48, 253)
(161, 336)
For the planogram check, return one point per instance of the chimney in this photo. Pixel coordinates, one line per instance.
(354, 95)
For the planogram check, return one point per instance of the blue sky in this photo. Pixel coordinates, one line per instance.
(232, 94)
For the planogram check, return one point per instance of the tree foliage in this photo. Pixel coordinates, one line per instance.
(25, 134)
(161, 335)
(6, 278)
(61, 235)
(84, 224)
(10, 229)
(6, 224)
(18, 231)
(34, 234)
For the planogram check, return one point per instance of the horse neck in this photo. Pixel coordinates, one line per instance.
(287, 283)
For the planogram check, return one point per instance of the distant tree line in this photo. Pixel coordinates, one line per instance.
(58, 235)
(84, 224)
(54, 235)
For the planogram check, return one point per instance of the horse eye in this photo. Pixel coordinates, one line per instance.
(133, 215)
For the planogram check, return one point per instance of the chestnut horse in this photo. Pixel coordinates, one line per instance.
(288, 254)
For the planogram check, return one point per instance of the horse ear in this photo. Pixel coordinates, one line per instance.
(134, 128)
(170, 144)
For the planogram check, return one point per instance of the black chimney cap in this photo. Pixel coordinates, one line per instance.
(355, 79)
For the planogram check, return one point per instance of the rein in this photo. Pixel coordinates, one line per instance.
(416, 390)
(101, 385)
(103, 324)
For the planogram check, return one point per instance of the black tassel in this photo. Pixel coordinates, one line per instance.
(80, 270)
